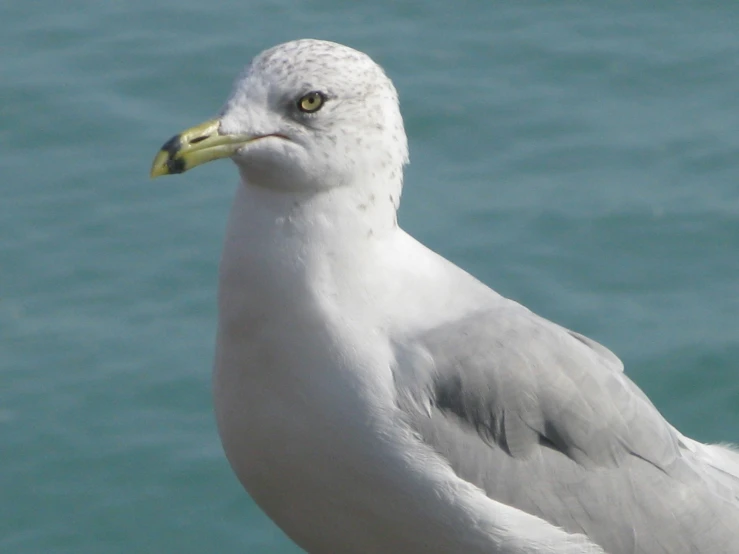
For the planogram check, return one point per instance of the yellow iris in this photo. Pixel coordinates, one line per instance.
(311, 102)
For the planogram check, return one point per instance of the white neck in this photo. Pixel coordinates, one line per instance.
(359, 209)
(286, 248)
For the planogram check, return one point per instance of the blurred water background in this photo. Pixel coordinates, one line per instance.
(579, 157)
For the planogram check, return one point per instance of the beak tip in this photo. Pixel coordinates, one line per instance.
(160, 165)
(157, 171)
(195, 146)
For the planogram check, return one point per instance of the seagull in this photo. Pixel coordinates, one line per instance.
(374, 398)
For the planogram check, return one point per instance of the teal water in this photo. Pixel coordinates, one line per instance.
(578, 157)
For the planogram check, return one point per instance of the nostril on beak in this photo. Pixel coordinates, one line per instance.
(198, 139)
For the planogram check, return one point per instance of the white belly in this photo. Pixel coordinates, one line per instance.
(305, 444)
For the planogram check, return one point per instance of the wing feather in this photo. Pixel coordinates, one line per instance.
(545, 420)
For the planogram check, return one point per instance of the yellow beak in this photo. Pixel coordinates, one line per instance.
(196, 146)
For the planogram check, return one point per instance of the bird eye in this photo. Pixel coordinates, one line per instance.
(311, 102)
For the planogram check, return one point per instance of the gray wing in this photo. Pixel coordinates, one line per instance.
(545, 420)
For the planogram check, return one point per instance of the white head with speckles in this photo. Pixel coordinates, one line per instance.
(328, 115)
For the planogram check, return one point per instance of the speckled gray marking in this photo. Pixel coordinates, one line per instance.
(357, 134)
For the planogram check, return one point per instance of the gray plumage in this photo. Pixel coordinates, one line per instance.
(543, 419)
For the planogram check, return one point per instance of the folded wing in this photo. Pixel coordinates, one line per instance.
(545, 420)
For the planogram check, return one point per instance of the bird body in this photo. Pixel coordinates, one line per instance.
(372, 397)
